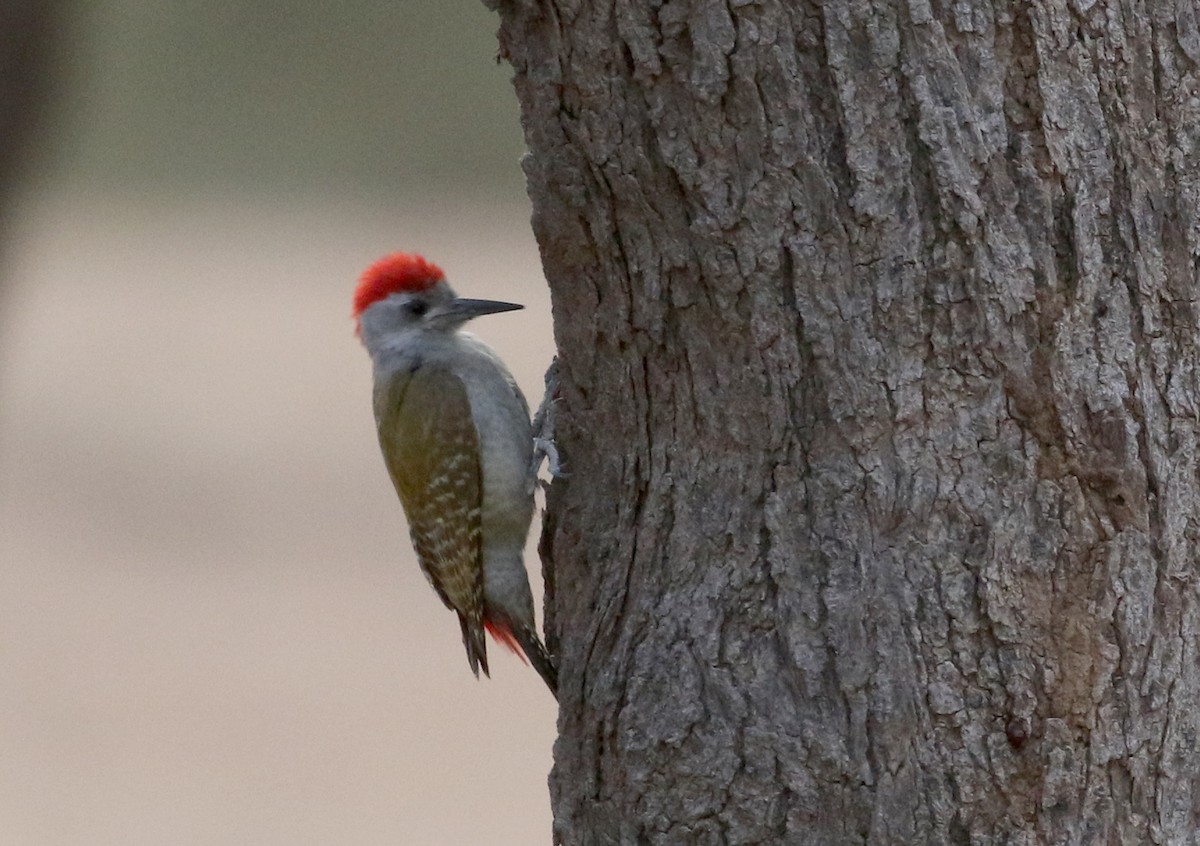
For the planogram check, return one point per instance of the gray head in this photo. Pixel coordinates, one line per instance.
(404, 293)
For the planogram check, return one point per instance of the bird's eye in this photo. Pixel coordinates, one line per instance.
(416, 307)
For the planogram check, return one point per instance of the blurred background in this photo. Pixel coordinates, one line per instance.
(212, 628)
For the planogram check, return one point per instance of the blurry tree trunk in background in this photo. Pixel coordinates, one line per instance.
(28, 29)
(877, 337)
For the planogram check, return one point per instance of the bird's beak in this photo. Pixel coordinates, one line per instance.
(461, 310)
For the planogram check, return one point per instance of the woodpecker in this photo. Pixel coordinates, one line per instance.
(456, 438)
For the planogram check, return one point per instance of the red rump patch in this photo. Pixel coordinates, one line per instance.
(503, 634)
(394, 273)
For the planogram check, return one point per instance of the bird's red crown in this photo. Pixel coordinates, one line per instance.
(392, 274)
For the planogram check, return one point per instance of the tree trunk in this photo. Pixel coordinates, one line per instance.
(878, 391)
(29, 30)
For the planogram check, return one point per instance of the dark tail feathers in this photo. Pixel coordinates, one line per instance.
(522, 641)
(476, 645)
(536, 652)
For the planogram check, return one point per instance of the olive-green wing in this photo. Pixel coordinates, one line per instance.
(431, 449)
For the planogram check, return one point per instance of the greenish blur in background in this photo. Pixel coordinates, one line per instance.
(386, 98)
(212, 626)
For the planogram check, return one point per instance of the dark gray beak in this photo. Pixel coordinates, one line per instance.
(464, 309)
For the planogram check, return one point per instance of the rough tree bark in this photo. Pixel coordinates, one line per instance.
(877, 337)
